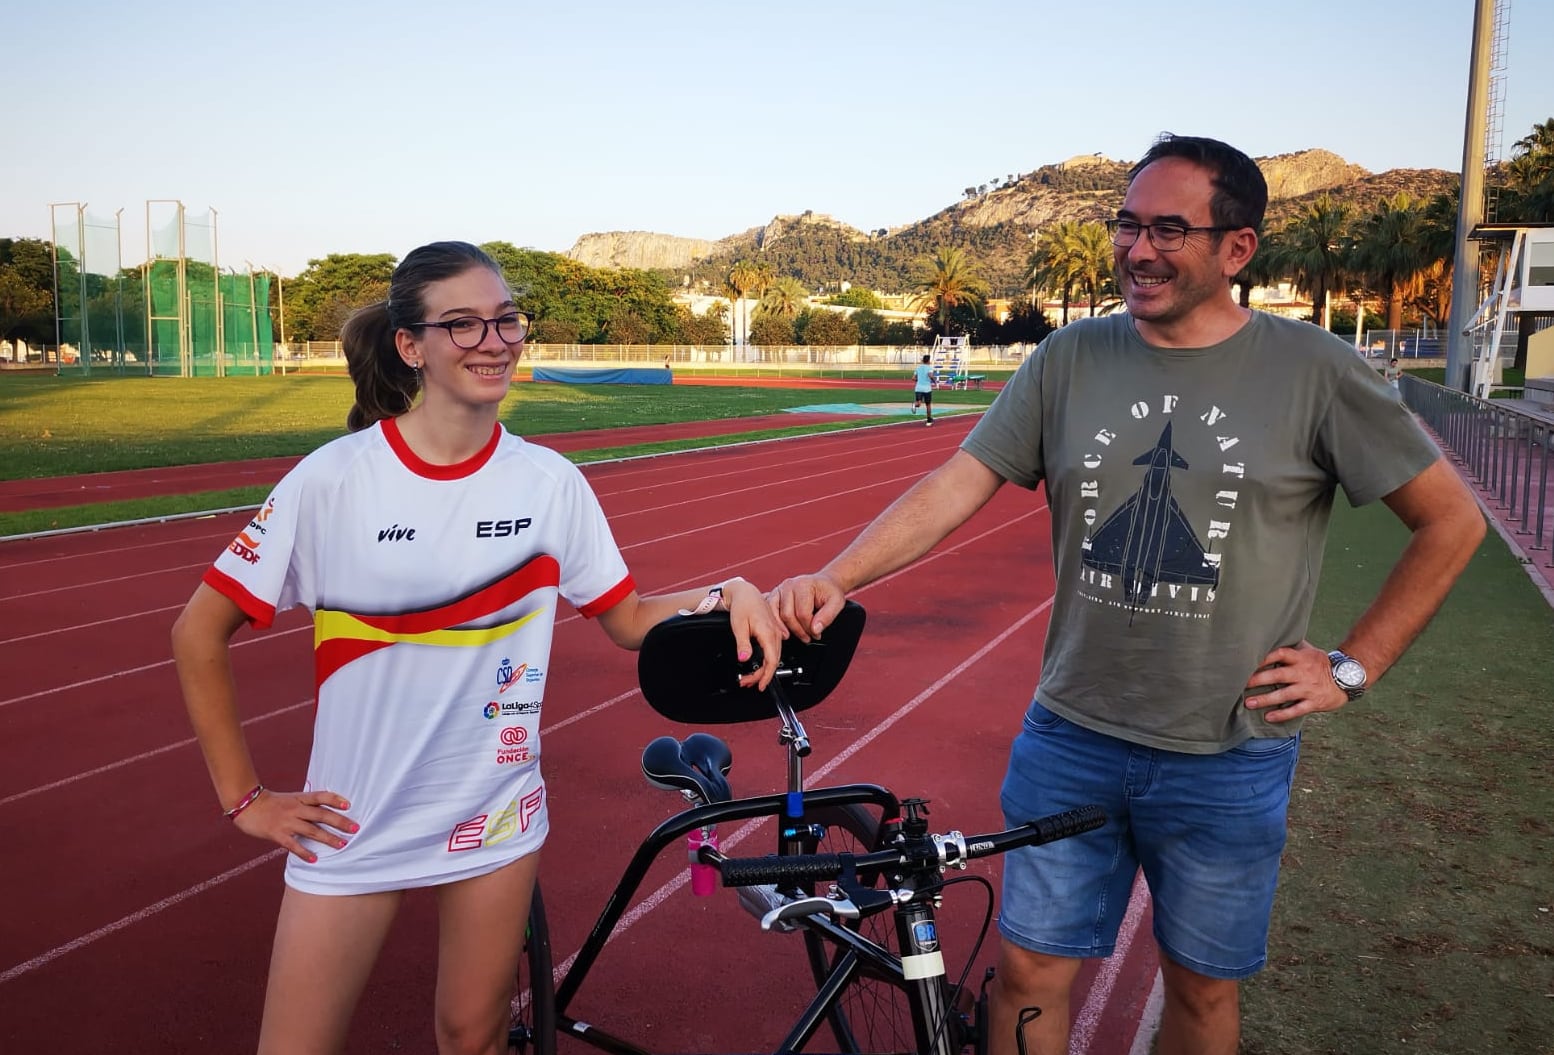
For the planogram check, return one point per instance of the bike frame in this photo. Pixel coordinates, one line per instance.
(915, 927)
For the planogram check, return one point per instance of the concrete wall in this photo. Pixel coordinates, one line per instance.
(1540, 354)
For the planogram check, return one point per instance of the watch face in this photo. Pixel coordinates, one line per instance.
(1349, 674)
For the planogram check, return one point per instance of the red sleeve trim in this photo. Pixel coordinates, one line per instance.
(609, 599)
(260, 615)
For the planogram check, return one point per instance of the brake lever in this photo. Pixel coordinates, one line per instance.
(804, 907)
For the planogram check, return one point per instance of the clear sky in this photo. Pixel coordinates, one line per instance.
(346, 126)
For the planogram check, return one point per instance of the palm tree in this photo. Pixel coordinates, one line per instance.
(1433, 292)
(1539, 141)
(1051, 265)
(947, 282)
(786, 297)
(1090, 249)
(1310, 248)
(1529, 194)
(743, 277)
(1262, 269)
(1389, 251)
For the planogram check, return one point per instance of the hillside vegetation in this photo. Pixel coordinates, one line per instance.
(994, 224)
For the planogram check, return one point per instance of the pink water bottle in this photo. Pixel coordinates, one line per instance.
(704, 878)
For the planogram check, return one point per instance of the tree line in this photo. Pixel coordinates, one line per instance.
(1397, 255)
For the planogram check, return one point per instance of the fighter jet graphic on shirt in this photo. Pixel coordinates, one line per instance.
(1148, 540)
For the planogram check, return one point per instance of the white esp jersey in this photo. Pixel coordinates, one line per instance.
(433, 590)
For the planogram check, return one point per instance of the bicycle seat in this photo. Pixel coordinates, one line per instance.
(689, 673)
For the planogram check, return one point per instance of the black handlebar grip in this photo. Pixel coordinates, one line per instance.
(1062, 825)
(782, 871)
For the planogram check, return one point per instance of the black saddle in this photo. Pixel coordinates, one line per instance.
(689, 673)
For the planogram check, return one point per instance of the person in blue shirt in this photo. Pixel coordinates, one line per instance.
(922, 388)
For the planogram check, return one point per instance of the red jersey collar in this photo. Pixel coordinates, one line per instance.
(416, 464)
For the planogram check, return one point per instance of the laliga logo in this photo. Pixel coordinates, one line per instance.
(514, 735)
(490, 710)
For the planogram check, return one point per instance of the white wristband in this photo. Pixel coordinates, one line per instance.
(714, 599)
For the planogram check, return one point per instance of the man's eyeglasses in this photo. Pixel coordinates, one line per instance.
(467, 331)
(1166, 237)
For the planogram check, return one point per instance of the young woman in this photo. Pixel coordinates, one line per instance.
(431, 546)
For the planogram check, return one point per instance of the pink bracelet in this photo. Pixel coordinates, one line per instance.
(247, 801)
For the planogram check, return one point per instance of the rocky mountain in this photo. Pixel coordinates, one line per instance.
(994, 224)
(639, 249)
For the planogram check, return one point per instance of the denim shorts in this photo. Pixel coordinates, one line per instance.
(1207, 830)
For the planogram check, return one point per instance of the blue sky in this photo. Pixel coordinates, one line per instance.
(373, 127)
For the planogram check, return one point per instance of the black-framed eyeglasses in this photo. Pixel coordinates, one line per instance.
(1166, 237)
(467, 331)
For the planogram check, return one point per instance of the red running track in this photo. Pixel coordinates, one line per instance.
(136, 918)
(86, 488)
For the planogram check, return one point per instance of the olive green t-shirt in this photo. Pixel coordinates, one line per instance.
(1190, 492)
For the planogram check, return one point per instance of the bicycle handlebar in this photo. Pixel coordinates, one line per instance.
(934, 852)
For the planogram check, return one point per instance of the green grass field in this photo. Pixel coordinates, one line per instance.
(1415, 908)
(61, 426)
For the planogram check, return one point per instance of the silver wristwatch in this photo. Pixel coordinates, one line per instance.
(1348, 674)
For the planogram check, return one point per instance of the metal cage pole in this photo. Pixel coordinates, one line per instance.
(54, 269)
(145, 293)
(118, 289)
(84, 339)
(221, 311)
(185, 339)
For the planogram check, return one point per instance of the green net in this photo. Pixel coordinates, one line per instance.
(178, 315)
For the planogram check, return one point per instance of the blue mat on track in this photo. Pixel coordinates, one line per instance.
(611, 376)
(851, 408)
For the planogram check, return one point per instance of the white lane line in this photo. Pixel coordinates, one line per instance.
(223, 536)
(189, 742)
(134, 917)
(103, 582)
(1149, 1019)
(1087, 1022)
(87, 626)
(272, 636)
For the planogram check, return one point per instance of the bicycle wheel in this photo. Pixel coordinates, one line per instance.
(872, 1015)
(531, 1027)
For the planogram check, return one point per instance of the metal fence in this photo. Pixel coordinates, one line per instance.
(1403, 344)
(1504, 450)
(978, 357)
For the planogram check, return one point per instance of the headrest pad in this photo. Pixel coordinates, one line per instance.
(689, 673)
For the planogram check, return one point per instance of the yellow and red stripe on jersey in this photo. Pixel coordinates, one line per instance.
(340, 637)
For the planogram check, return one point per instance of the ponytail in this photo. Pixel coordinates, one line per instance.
(385, 386)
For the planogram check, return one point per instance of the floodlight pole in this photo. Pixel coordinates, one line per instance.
(1470, 202)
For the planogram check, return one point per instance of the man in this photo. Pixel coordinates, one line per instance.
(922, 387)
(1190, 451)
(1393, 373)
